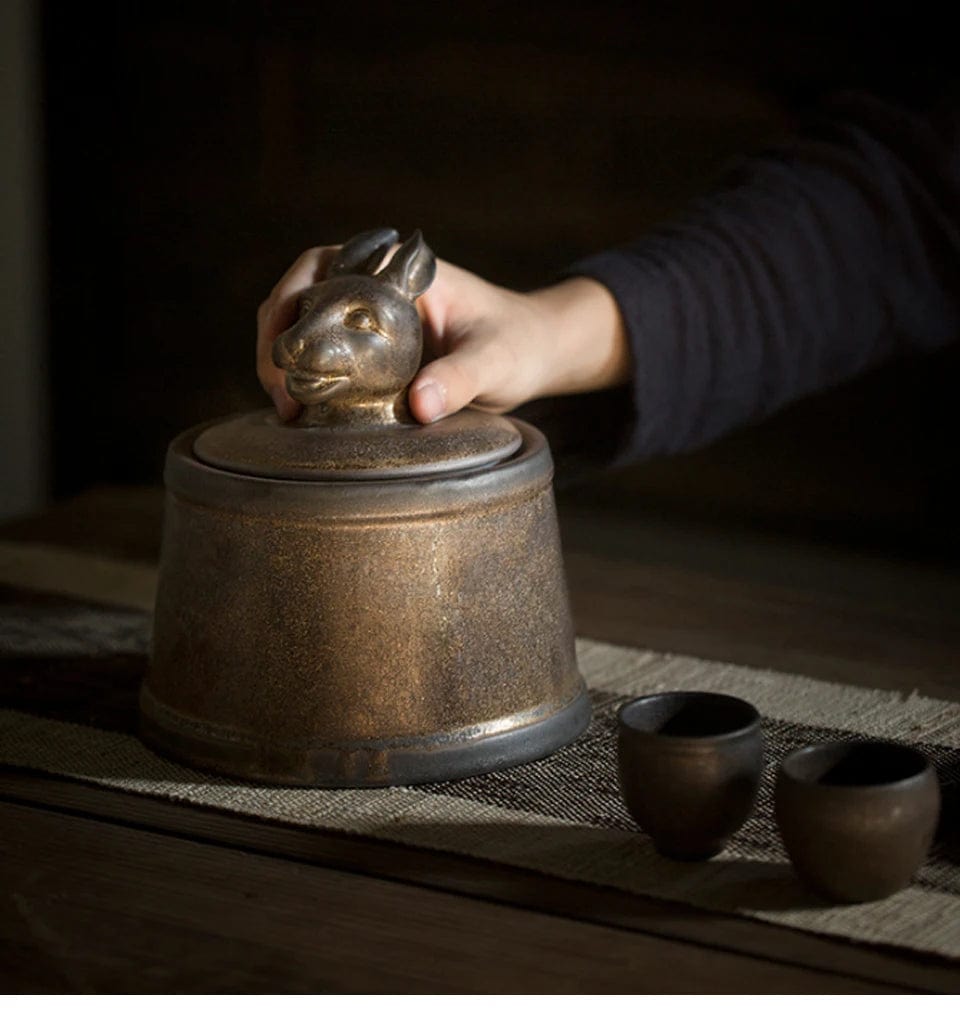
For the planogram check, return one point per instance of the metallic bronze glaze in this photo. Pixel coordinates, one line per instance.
(358, 342)
(295, 618)
(690, 766)
(355, 600)
(257, 443)
(857, 817)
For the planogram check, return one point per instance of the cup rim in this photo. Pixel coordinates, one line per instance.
(787, 766)
(748, 728)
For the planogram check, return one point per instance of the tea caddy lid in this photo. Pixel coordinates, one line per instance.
(260, 445)
(349, 359)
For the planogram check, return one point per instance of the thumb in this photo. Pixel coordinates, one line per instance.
(449, 383)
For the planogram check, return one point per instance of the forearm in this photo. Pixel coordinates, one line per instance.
(813, 264)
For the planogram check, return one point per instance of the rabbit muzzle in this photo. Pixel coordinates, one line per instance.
(317, 365)
(312, 389)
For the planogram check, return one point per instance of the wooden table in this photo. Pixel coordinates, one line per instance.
(106, 892)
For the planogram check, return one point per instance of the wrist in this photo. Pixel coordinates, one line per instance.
(583, 337)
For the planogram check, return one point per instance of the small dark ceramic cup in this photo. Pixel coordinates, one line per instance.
(690, 765)
(857, 817)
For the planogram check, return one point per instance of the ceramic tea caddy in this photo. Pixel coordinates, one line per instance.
(353, 599)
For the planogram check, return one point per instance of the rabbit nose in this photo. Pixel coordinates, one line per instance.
(286, 349)
(302, 347)
(320, 355)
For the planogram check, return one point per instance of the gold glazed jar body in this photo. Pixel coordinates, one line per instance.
(362, 633)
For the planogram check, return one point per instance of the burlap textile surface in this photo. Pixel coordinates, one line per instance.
(73, 640)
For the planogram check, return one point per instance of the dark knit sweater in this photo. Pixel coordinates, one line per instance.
(812, 263)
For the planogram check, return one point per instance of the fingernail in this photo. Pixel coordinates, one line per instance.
(432, 399)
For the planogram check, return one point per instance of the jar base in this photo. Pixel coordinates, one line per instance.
(471, 751)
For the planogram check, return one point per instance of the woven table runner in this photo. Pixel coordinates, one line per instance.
(72, 655)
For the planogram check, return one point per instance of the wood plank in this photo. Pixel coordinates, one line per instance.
(480, 879)
(673, 611)
(111, 908)
(716, 588)
(737, 597)
(714, 592)
(116, 522)
(634, 580)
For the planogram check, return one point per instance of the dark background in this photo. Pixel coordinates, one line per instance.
(193, 150)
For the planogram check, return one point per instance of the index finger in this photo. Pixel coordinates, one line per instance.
(279, 312)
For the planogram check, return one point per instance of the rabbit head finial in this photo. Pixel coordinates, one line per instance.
(357, 344)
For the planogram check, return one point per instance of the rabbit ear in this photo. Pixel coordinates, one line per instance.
(364, 252)
(412, 268)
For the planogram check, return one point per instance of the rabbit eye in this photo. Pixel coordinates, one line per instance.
(360, 319)
(306, 305)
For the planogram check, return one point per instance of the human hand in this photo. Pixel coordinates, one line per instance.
(492, 347)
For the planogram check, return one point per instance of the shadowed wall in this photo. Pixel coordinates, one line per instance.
(193, 151)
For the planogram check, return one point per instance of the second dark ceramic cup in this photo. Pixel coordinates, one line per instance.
(690, 766)
(857, 817)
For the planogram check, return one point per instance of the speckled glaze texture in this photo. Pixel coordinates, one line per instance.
(689, 766)
(362, 633)
(350, 598)
(857, 817)
(259, 444)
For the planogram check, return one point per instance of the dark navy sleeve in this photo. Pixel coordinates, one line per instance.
(810, 264)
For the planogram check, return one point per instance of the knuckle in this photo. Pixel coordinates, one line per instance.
(309, 256)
